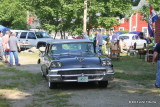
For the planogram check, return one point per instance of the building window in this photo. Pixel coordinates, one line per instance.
(122, 21)
(134, 28)
(112, 29)
(145, 31)
(121, 28)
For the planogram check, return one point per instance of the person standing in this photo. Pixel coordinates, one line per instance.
(1, 49)
(156, 58)
(114, 36)
(122, 45)
(86, 36)
(108, 46)
(14, 47)
(99, 42)
(94, 43)
(6, 46)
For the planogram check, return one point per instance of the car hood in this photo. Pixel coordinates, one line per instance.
(41, 39)
(80, 62)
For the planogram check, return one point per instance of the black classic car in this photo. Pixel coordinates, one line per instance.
(74, 60)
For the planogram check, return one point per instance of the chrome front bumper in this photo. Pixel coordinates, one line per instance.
(105, 75)
(25, 46)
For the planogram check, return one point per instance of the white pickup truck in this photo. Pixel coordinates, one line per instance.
(28, 39)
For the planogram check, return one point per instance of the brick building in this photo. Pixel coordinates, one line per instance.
(157, 31)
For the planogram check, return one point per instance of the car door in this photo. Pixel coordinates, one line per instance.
(31, 39)
(132, 40)
(45, 60)
(139, 44)
(22, 37)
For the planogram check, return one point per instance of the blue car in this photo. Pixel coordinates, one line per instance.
(74, 60)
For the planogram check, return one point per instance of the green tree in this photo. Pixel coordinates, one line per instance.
(145, 9)
(67, 15)
(108, 10)
(13, 14)
(135, 2)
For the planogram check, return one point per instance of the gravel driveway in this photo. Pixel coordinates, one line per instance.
(120, 93)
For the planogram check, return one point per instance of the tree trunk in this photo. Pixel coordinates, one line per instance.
(55, 34)
(61, 34)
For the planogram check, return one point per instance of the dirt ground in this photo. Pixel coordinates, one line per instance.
(120, 93)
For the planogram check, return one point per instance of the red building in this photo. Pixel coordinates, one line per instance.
(134, 23)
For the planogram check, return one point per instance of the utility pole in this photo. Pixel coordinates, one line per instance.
(27, 19)
(85, 17)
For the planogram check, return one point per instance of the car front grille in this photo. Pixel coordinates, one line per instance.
(75, 78)
(76, 72)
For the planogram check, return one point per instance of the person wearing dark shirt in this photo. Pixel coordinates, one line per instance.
(156, 58)
(14, 47)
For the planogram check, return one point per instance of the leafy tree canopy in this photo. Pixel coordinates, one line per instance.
(145, 9)
(67, 15)
(13, 14)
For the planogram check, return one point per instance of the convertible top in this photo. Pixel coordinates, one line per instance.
(60, 41)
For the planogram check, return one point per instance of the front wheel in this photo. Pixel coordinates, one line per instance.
(145, 45)
(52, 85)
(103, 84)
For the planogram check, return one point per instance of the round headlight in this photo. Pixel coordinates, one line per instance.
(53, 64)
(59, 64)
(104, 63)
(109, 62)
(56, 64)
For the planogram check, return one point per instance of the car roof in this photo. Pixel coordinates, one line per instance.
(26, 31)
(135, 32)
(128, 34)
(60, 41)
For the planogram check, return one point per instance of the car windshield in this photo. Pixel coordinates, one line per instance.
(124, 37)
(77, 49)
(42, 35)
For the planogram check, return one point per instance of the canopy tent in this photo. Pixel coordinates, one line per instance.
(140, 34)
(119, 32)
(3, 28)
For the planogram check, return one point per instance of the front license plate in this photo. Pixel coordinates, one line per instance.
(82, 79)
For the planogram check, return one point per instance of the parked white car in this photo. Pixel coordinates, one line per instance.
(131, 39)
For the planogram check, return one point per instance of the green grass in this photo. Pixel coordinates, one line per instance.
(128, 66)
(4, 102)
(132, 64)
(18, 78)
(12, 79)
(136, 69)
(135, 77)
(56, 98)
